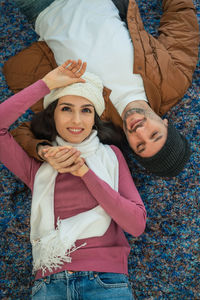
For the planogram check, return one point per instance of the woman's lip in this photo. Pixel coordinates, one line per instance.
(133, 123)
(73, 130)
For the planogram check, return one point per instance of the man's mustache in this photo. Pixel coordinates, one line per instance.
(140, 124)
(133, 111)
(130, 112)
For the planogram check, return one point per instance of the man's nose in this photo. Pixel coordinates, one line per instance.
(142, 132)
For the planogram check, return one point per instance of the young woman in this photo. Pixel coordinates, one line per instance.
(78, 217)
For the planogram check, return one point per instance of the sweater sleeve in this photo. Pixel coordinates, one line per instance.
(11, 154)
(125, 206)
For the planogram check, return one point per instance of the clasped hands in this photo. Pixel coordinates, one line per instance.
(64, 159)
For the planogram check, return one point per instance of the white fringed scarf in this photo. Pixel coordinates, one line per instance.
(51, 247)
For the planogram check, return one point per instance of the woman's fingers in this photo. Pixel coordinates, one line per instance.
(72, 65)
(60, 154)
(67, 63)
(64, 158)
(82, 70)
(76, 166)
(77, 67)
(50, 152)
(68, 157)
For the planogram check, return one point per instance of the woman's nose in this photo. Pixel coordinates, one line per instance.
(76, 118)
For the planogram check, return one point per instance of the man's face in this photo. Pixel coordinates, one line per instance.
(146, 132)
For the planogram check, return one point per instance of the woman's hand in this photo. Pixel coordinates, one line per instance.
(63, 159)
(81, 171)
(66, 74)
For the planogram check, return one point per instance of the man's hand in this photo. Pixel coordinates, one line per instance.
(66, 74)
(40, 151)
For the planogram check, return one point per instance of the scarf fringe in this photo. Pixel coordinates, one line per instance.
(50, 252)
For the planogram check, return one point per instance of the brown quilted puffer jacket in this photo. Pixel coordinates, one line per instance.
(166, 63)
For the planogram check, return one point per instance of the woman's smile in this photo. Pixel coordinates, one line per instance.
(75, 130)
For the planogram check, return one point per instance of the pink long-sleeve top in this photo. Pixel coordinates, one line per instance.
(74, 195)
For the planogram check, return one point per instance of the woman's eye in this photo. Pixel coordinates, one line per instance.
(66, 108)
(86, 110)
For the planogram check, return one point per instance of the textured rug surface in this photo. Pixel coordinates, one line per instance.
(163, 263)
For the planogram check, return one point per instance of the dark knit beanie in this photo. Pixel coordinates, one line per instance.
(172, 157)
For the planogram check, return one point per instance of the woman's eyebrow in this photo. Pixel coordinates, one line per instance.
(70, 104)
(65, 103)
(86, 105)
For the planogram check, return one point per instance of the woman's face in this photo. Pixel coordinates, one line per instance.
(74, 118)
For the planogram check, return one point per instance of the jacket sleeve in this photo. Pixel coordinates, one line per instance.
(125, 207)
(28, 66)
(26, 139)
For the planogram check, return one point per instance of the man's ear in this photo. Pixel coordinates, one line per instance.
(165, 121)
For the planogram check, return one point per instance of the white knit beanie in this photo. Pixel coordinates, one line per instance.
(92, 90)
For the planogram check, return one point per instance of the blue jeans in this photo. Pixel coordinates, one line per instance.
(82, 286)
(32, 8)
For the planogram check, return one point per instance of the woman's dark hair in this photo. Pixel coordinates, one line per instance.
(109, 133)
(43, 124)
(43, 127)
